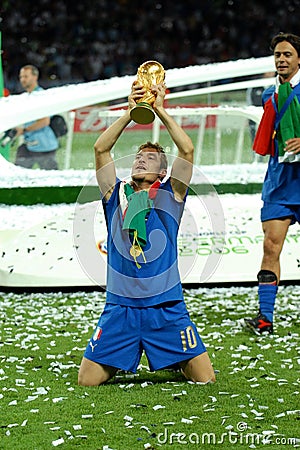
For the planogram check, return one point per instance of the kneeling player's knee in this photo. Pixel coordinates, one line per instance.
(203, 378)
(88, 380)
(199, 369)
(84, 379)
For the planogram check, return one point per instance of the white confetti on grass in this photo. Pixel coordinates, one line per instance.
(128, 421)
(128, 418)
(77, 312)
(58, 442)
(59, 399)
(30, 398)
(143, 427)
(257, 413)
(184, 420)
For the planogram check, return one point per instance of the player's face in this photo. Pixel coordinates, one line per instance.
(146, 165)
(27, 79)
(286, 60)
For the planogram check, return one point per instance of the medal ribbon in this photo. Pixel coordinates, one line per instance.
(139, 205)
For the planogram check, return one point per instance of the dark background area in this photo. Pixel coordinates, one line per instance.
(83, 41)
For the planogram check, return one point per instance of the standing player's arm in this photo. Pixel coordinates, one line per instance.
(105, 167)
(182, 168)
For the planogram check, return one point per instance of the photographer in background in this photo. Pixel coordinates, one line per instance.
(40, 143)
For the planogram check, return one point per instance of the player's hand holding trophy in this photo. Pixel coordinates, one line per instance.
(148, 74)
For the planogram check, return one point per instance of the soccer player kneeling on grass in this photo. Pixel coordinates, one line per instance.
(145, 309)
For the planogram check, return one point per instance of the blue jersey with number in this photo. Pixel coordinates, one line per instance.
(157, 280)
(282, 180)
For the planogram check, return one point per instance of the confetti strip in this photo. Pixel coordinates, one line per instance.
(58, 442)
(30, 398)
(183, 420)
(59, 399)
(128, 418)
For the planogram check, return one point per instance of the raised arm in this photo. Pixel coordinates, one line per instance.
(105, 167)
(182, 168)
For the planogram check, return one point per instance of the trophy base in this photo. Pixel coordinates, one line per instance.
(142, 113)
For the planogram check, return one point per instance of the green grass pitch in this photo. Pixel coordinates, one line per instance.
(253, 404)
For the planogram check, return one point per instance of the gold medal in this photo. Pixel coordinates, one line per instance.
(135, 251)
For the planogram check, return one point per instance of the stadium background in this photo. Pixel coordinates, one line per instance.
(85, 41)
(81, 44)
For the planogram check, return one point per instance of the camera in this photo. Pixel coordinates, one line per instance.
(8, 137)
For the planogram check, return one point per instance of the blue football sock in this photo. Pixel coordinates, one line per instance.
(267, 296)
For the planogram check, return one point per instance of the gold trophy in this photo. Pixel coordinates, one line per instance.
(149, 73)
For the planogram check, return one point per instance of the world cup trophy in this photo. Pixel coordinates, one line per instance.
(149, 73)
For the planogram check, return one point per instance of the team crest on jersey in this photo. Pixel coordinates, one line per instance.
(97, 334)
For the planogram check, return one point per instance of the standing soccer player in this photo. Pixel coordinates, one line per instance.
(145, 309)
(278, 135)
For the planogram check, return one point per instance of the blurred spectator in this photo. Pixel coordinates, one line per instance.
(40, 143)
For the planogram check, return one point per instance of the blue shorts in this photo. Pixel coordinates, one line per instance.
(271, 211)
(165, 332)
